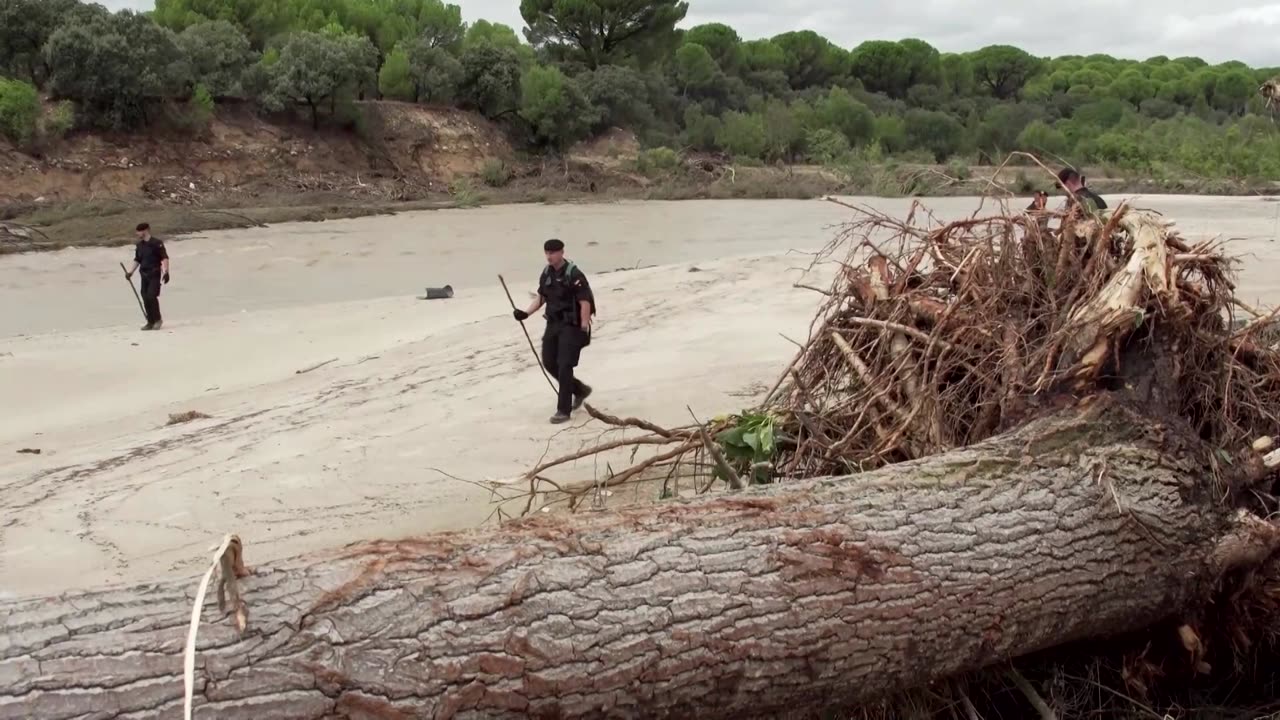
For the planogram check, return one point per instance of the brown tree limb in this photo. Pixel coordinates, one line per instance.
(821, 593)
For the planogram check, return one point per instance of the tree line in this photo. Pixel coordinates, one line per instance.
(587, 65)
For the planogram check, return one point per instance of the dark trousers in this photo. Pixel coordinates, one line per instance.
(562, 345)
(151, 296)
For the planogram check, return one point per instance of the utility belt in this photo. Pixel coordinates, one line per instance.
(563, 317)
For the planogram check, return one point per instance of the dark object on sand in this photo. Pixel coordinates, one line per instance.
(445, 293)
(29, 451)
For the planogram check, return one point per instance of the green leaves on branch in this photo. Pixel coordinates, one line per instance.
(749, 447)
(555, 106)
(219, 55)
(315, 67)
(115, 66)
(19, 111)
(490, 82)
(598, 32)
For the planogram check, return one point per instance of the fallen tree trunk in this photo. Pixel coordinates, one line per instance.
(806, 595)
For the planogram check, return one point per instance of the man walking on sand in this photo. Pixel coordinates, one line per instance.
(564, 289)
(150, 256)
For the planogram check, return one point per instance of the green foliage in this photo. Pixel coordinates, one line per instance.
(840, 111)
(700, 129)
(937, 132)
(219, 55)
(490, 79)
(958, 169)
(824, 146)
(25, 28)
(742, 135)
(59, 120)
(555, 106)
(601, 31)
(483, 31)
(434, 74)
(495, 173)
(620, 94)
(657, 160)
(607, 63)
(114, 66)
(315, 67)
(721, 41)
(19, 110)
(783, 134)
(1003, 70)
(749, 447)
(464, 194)
(695, 68)
(891, 133)
(811, 60)
(395, 82)
(883, 67)
(200, 108)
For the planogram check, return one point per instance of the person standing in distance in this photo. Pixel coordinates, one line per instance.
(564, 289)
(152, 259)
(1074, 181)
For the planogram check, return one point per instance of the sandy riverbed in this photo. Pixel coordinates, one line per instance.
(353, 449)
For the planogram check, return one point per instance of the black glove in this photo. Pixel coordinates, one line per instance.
(521, 315)
(166, 278)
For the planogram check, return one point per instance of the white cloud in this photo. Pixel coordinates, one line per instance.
(1218, 31)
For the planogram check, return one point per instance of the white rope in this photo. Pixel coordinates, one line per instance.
(189, 654)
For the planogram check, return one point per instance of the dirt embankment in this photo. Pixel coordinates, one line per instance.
(394, 150)
(245, 170)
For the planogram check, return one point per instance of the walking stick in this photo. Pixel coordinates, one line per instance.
(136, 296)
(536, 357)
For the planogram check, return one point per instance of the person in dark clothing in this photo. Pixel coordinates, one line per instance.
(1074, 181)
(564, 289)
(150, 256)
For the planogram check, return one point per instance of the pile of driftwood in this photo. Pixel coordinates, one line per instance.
(935, 336)
(1021, 467)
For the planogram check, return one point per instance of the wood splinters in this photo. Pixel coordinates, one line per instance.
(230, 569)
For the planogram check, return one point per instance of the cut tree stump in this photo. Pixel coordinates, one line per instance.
(831, 592)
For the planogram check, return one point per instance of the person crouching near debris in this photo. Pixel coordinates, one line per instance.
(564, 289)
(152, 259)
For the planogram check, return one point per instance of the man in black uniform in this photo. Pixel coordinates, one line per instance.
(1074, 181)
(564, 289)
(150, 256)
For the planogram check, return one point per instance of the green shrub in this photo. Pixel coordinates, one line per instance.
(495, 173)
(824, 146)
(19, 110)
(657, 160)
(58, 120)
(958, 169)
(464, 195)
(201, 107)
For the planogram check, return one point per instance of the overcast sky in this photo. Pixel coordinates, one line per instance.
(1216, 31)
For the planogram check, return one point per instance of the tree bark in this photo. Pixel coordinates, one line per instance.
(815, 594)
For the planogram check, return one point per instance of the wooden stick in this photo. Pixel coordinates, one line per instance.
(537, 358)
(731, 477)
(317, 366)
(904, 329)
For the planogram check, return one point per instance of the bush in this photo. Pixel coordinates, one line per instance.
(958, 169)
(464, 195)
(825, 145)
(657, 159)
(19, 110)
(742, 135)
(201, 108)
(495, 173)
(59, 121)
